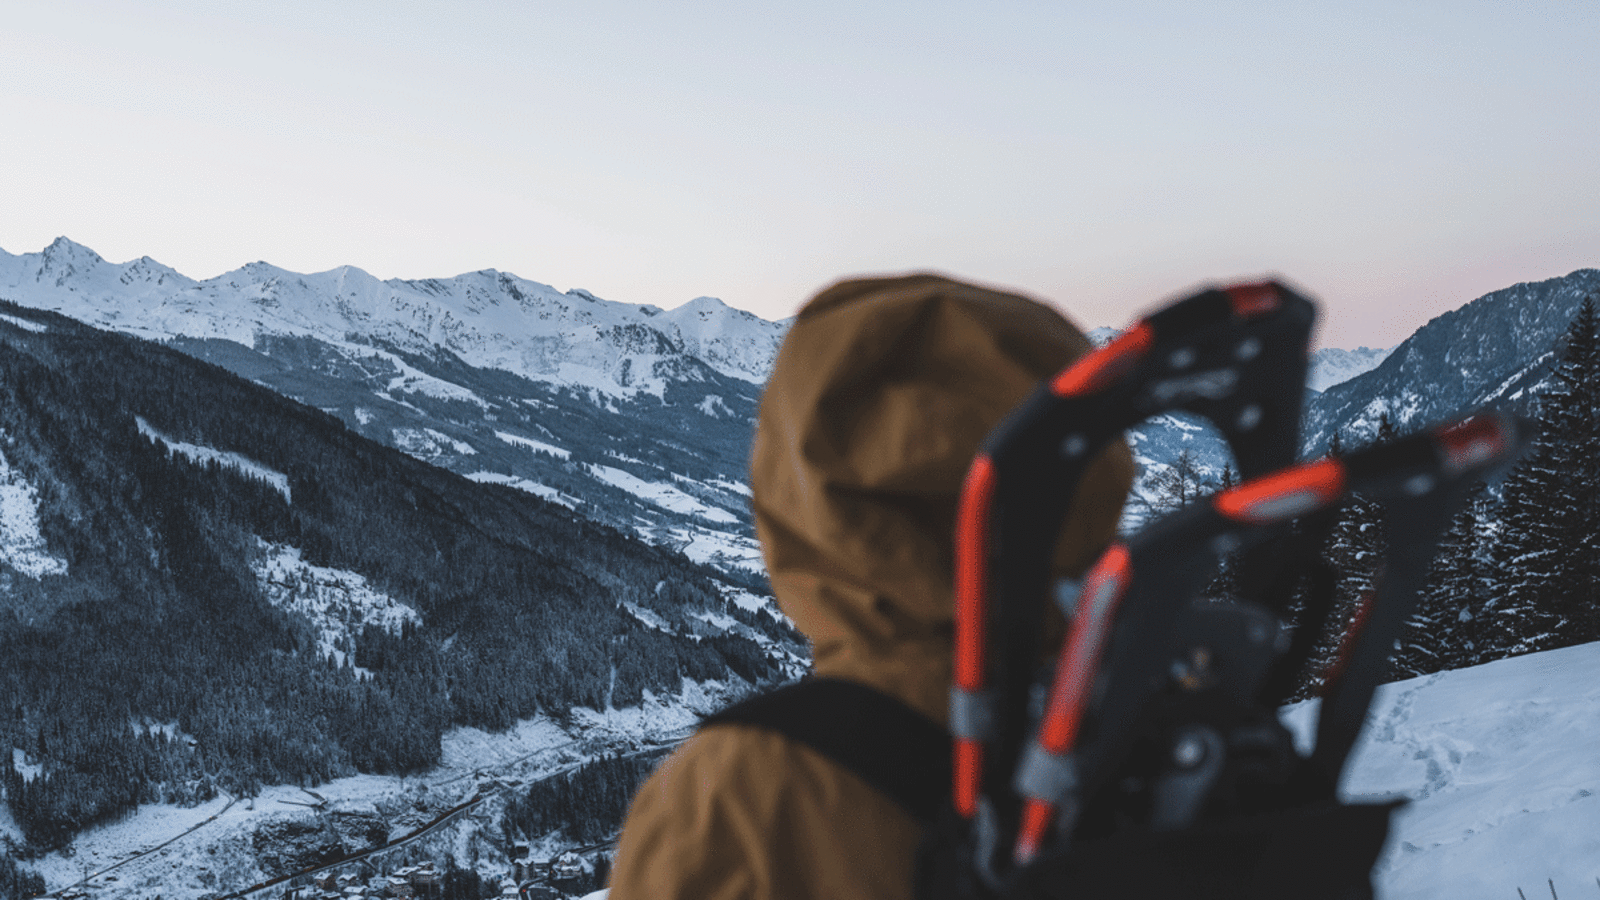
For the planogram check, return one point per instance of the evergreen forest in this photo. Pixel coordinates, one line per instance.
(1518, 571)
(155, 667)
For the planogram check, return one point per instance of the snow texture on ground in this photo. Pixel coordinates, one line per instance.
(206, 849)
(1501, 766)
(657, 716)
(235, 461)
(22, 546)
(715, 548)
(415, 381)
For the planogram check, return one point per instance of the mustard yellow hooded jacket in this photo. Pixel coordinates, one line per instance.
(877, 402)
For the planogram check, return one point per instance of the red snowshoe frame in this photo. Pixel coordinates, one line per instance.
(1161, 710)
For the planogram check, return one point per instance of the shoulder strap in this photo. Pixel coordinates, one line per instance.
(900, 752)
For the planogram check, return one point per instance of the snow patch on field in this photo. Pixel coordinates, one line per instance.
(662, 495)
(190, 853)
(339, 604)
(721, 549)
(536, 446)
(524, 484)
(717, 620)
(19, 762)
(713, 406)
(415, 381)
(24, 324)
(22, 545)
(239, 463)
(748, 601)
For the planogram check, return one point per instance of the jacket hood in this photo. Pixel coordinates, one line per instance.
(878, 400)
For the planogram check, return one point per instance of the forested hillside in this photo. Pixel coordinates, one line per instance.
(157, 657)
(1518, 571)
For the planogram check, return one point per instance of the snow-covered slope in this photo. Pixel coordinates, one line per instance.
(1501, 767)
(489, 319)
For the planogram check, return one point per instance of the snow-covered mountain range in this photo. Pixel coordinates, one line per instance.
(1331, 366)
(488, 319)
(1495, 351)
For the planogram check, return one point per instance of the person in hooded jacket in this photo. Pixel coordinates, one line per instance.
(878, 400)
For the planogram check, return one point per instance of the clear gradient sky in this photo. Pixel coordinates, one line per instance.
(1395, 158)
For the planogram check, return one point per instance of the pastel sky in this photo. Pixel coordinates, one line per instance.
(1396, 159)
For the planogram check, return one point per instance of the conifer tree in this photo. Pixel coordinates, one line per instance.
(1386, 432)
(1447, 631)
(1354, 551)
(1547, 570)
(1179, 484)
(1575, 417)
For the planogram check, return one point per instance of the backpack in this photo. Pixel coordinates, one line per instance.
(1151, 762)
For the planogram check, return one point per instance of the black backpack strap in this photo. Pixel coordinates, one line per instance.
(899, 751)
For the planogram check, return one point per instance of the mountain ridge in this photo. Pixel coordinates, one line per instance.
(489, 318)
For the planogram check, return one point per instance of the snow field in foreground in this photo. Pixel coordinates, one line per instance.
(1502, 767)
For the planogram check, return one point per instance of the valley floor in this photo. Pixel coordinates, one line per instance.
(215, 848)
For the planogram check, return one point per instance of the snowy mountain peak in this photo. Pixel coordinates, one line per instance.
(704, 306)
(732, 341)
(64, 250)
